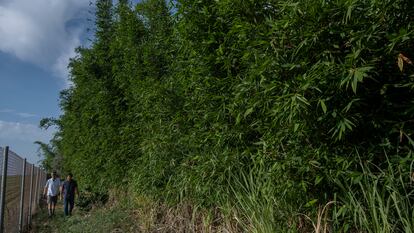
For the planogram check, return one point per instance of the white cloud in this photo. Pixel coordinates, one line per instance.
(20, 114)
(26, 114)
(12, 131)
(6, 110)
(42, 31)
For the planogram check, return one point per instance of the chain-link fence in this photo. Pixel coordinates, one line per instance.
(20, 191)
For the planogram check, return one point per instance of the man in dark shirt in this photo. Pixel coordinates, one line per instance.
(68, 189)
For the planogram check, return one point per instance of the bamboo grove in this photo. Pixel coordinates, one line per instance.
(273, 107)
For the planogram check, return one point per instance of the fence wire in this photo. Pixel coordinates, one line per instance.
(20, 181)
(13, 192)
(1, 161)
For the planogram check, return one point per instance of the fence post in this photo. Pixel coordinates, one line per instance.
(22, 197)
(40, 196)
(41, 183)
(36, 193)
(29, 220)
(3, 187)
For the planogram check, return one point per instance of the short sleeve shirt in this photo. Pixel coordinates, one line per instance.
(52, 186)
(69, 188)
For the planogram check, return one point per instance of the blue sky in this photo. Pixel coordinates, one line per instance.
(37, 38)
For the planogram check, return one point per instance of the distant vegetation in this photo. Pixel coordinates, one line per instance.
(267, 110)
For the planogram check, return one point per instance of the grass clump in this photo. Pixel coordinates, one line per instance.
(381, 201)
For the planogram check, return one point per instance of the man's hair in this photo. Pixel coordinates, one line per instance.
(70, 174)
(54, 173)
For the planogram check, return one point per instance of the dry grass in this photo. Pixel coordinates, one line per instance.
(139, 214)
(182, 218)
(322, 224)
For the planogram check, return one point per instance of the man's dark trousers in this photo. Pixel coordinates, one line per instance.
(68, 203)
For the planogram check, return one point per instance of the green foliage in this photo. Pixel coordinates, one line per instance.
(49, 156)
(379, 201)
(51, 152)
(203, 100)
(88, 200)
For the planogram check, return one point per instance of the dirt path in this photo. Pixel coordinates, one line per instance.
(100, 219)
(42, 223)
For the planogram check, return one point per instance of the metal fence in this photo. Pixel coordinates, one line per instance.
(20, 191)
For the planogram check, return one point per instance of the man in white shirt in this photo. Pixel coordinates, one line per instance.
(52, 191)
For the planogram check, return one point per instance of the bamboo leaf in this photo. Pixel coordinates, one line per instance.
(400, 63)
(324, 109)
(296, 127)
(248, 112)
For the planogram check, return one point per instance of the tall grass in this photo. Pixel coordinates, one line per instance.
(263, 205)
(381, 202)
